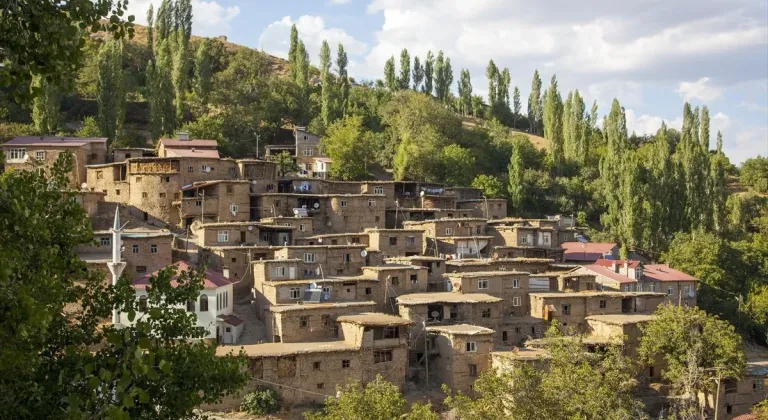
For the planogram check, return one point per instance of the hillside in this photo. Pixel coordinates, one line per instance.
(541, 143)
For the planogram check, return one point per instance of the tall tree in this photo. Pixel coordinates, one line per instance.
(183, 11)
(447, 79)
(351, 150)
(45, 105)
(718, 192)
(503, 89)
(617, 145)
(180, 74)
(293, 52)
(159, 79)
(418, 73)
(325, 84)
(341, 69)
(662, 186)
(111, 99)
(515, 106)
(150, 25)
(704, 136)
(575, 128)
(429, 68)
(694, 165)
(553, 124)
(593, 115)
(465, 92)
(204, 71)
(163, 22)
(534, 103)
(492, 74)
(390, 79)
(404, 81)
(439, 76)
(302, 78)
(516, 172)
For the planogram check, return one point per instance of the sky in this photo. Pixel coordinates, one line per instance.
(653, 55)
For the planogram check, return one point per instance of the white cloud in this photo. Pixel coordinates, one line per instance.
(745, 143)
(336, 2)
(645, 124)
(209, 18)
(312, 31)
(751, 106)
(701, 89)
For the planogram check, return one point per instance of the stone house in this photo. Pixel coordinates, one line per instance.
(395, 280)
(214, 201)
(310, 321)
(449, 227)
(144, 251)
(529, 265)
(572, 308)
(535, 238)
(456, 237)
(120, 154)
(90, 200)
(395, 242)
(435, 269)
(35, 153)
(302, 226)
(317, 261)
(458, 354)
(739, 396)
(511, 286)
(351, 238)
(307, 148)
(321, 166)
(488, 208)
(589, 252)
(370, 345)
(213, 308)
(233, 262)
(184, 147)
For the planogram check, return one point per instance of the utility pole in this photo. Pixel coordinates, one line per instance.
(717, 396)
(426, 355)
(202, 207)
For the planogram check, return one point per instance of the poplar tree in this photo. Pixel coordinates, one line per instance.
(593, 116)
(631, 196)
(45, 105)
(662, 190)
(302, 77)
(705, 128)
(617, 144)
(503, 89)
(418, 73)
(465, 92)
(553, 124)
(111, 90)
(405, 70)
(693, 162)
(292, 52)
(429, 67)
(515, 106)
(343, 89)
(718, 194)
(180, 74)
(515, 172)
(203, 72)
(575, 128)
(534, 103)
(390, 79)
(325, 83)
(439, 75)
(163, 23)
(183, 11)
(447, 79)
(491, 73)
(160, 92)
(150, 24)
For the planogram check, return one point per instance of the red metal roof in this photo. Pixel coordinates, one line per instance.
(188, 143)
(586, 251)
(662, 272)
(192, 152)
(607, 272)
(212, 280)
(54, 141)
(620, 263)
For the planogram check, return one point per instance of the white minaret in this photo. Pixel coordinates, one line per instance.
(116, 266)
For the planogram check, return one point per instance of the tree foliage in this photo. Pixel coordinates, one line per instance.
(349, 148)
(111, 99)
(491, 186)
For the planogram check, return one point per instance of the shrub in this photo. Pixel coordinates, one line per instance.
(261, 402)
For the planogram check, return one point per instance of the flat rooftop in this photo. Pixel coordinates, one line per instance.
(524, 353)
(374, 319)
(315, 306)
(461, 329)
(445, 297)
(497, 273)
(389, 267)
(558, 295)
(286, 349)
(321, 281)
(622, 319)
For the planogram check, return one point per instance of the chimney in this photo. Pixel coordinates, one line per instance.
(614, 266)
(183, 135)
(626, 267)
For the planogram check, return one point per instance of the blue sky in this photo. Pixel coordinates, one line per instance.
(651, 54)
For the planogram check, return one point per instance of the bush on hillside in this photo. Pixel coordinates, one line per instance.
(261, 402)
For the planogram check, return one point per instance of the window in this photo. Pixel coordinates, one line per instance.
(20, 154)
(482, 284)
(143, 304)
(414, 278)
(391, 332)
(728, 409)
(99, 175)
(40, 155)
(295, 293)
(651, 371)
(308, 151)
(343, 203)
(234, 208)
(309, 257)
(395, 281)
(230, 189)
(325, 319)
(410, 241)
(546, 239)
(393, 241)
(117, 192)
(203, 303)
(382, 356)
(515, 283)
(487, 313)
(198, 203)
(670, 291)
(191, 306)
(454, 312)
(345, 363)
(473, 371)
(223, 236)
(141, 269)
(162, 195)
(347, 258)
(471, 346)
(368, 291)
(517, 301)
(204, 168)
(106, 241)
(566, 309)
(688, 292)
(153, 249)
(371, 203)
(138, 180)
(517, 330)
(135, 249)
(378, 190)
(190, 170)
(165, 179)
(758, 385)
(144, 195)
(730, 386)
(651, 287)
(504, 336)
(303, 321)
(301, 227)
(448, 231)
(478, 229)
(320, 385)
(280, 271)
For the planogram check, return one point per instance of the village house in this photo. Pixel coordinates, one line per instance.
(488, 208)
(352, 238)
(317, 261)
(395, 242)
(529, 265)
(369, 344)
(396, 280)
(145, 251)
(457, 237)
(36, 153)
(186, 148)
(294, 323)
(301, 226)
(213, 308)
(458, 354)
(738, 396)
(120, 154)
(307, 148)
(435, 269)
(571, 309)
(511, 286)
(321, 166)
(214, 201)
(589, 252)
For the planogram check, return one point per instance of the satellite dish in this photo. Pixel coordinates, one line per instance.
(254, 182)
(421, 193)
(295, 212)
(250, 227)
(320, 240)
(363, 253)
(434, 314)
(313, 285)
(316, 205)
(84, 186)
